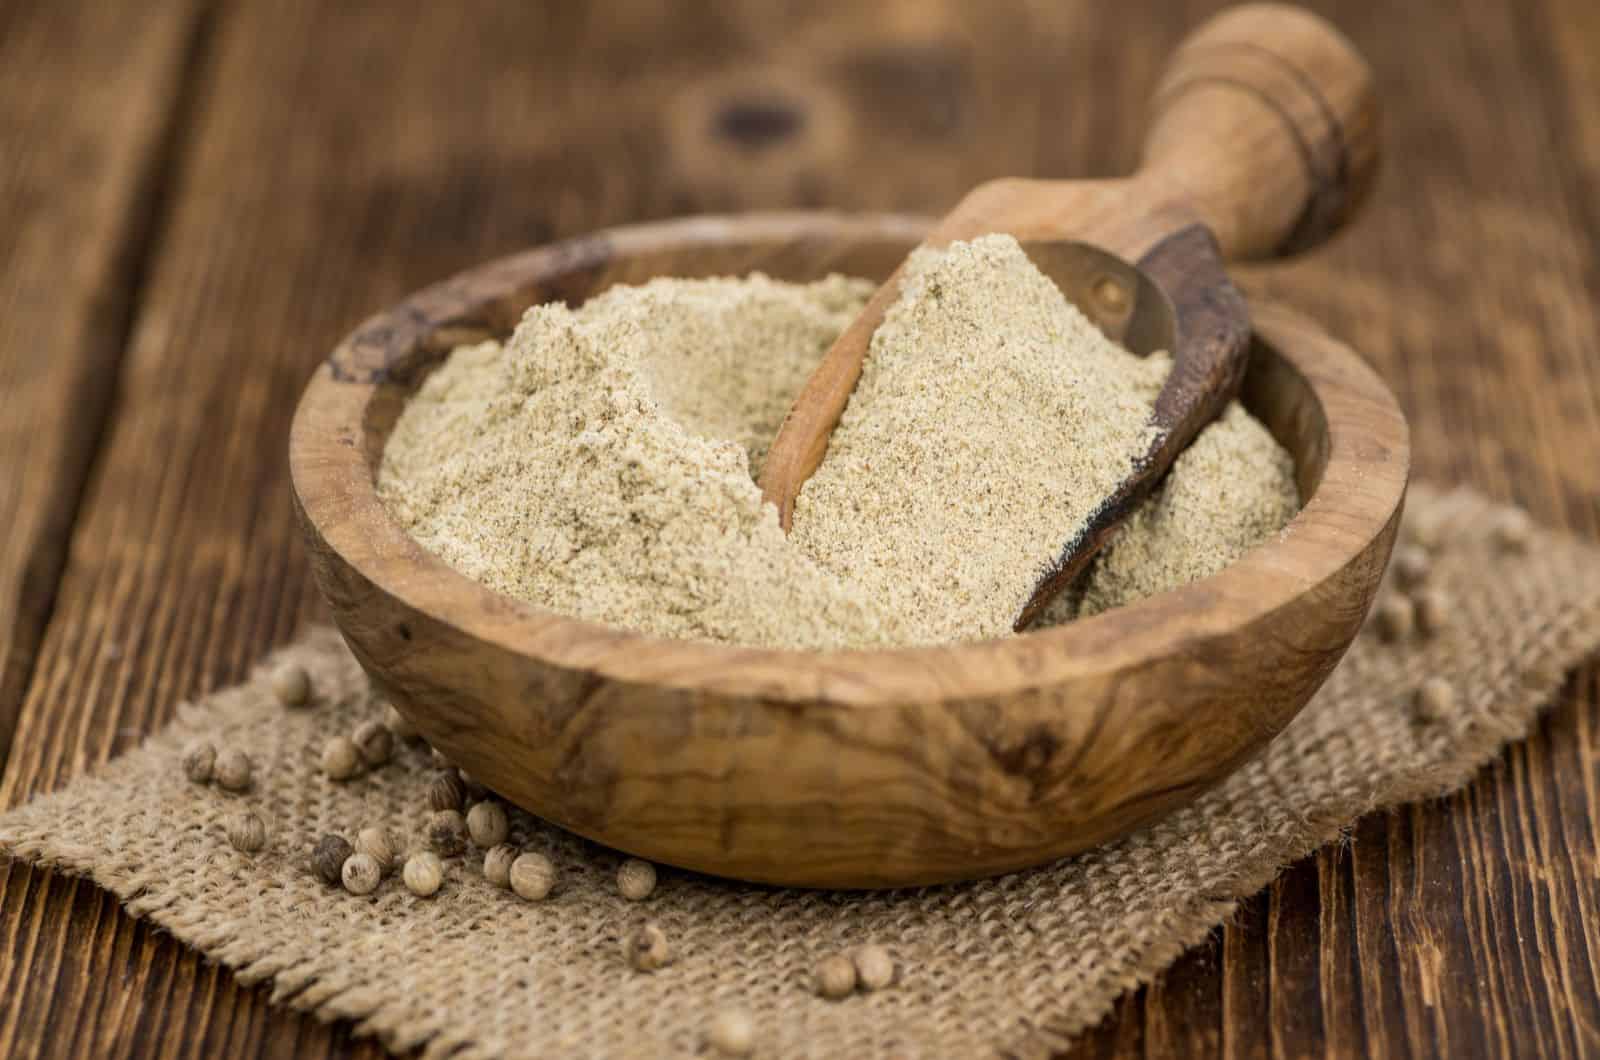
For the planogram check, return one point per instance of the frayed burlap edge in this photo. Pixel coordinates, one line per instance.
(140, 831)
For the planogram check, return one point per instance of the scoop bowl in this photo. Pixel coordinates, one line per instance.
(839, 769)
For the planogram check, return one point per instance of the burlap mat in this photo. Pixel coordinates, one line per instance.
(1017, 964)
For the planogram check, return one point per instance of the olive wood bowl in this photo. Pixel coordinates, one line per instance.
(839, 769)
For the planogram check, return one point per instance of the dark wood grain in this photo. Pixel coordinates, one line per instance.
(82, 178)
(338, 159)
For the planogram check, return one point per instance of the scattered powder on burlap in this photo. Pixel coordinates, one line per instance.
(602, 463)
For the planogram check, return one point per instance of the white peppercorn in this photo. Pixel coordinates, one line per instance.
(1411, 566)
(328, 858)
(636, 878)
(374, 742)
(1396, 617)
(497, 864)
(232, 770)
(874, 967)
(487, 824)
(1434, 699)
(397, 723)
(1433, 611)
(646, 948)
(1425, 527)
(340, 759)
(423, 874)
(834, 976)
(360, 874)
(445, 792)
(247, 831)
(199, 757)
(291, 684)
(379, 845)
(732, 1032)
(1512, 530)
(447, 833)
(532, 876)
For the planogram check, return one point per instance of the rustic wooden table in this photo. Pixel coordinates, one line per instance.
(197, 199)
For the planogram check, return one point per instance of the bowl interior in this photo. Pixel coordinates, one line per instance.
(1273, 391)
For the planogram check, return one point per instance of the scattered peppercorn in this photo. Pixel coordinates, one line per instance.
(487, 824)
(1434, 699)
(360, 874)
(374, 742)
(445, 792)
(447, 833)
(402, 729)
(247, 831)
(291, 684)
(423, 874)
(646, 948)
(328, 858)
(1426, 528)
(497, 864)
(1433, 611)
(340, 759)
(1512, 530)
(1411, 566)
(232, 770)
(378, 844)
(834, 976)
(874, 967)
(1396, 617)
(199, 757)
(636, 878)
(732, 1032)
(532, 876)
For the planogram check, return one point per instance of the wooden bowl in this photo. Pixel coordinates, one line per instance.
(844, 769)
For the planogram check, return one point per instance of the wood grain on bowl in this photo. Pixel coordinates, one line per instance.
(853, 769)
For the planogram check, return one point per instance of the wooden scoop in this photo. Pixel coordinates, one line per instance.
(1264, 139)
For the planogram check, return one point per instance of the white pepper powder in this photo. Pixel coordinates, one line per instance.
(990, 418)
(601, 463)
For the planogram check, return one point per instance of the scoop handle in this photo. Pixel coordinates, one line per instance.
(1267, 123)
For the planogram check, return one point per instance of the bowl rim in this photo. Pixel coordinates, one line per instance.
(1359, 495)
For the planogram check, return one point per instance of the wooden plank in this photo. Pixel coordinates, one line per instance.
(87, 120)
(1467, 927)
(394, 148)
